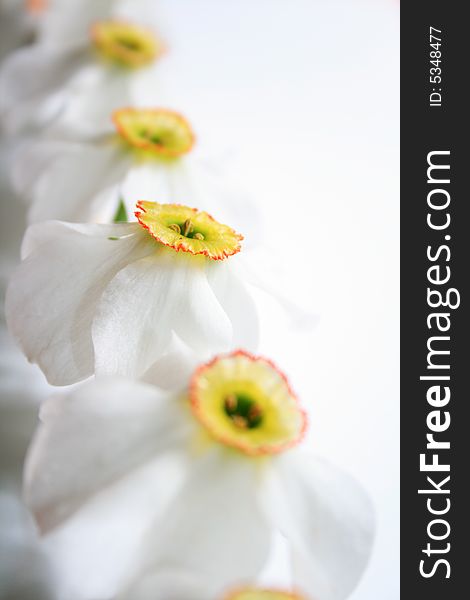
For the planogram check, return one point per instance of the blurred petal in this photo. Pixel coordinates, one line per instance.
(198, 316)
(328, 521)
(97, 550)
(237, 303)
(16, 27)
(60, 191)
(24, 571)
(28, 99)
(94, 93)
(174, 369)
(22, 388)
(30, 160)
(215, 527)
(151, 180)
(52, 297)
(168, 585)
(91, 438)
(68, 23)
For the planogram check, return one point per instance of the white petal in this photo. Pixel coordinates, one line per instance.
(91, 438)
(174, 369)
(131, 329)
(22, 388)
(30, 84)
(93, 94)
(24, 571)
(16, 27)
(68, 23)
(215, 527)
(97, 550)
(74, 182)
(168, 585)
(52, 297)
(237, 303)
(146, 302)
(328, 521)
(30, 160)
(152, 181)
(198, 316)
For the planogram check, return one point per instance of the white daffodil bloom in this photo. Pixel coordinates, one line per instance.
(233, 425)
(110, 298)
(150, 155)
(78, 73)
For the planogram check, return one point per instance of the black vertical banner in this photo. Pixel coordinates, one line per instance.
(435, 259)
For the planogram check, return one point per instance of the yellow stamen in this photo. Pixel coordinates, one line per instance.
(231, 402)
(254, 413)
(240, 422)
(187, 227)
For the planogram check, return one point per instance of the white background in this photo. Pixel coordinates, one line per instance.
(302, 97)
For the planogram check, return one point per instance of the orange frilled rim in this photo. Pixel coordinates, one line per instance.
(243, 374)
(205, 236)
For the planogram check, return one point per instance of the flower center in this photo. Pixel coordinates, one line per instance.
(188, 230)
(159, 132)
(245, 402)
(126, 44)
(257, 594)
(243, 411)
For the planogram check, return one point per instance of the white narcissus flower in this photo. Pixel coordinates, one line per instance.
(110, 298)
(233, 425)
(150, 155)
(75, 77)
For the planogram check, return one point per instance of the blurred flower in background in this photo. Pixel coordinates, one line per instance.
(83, 69)
(150, 156)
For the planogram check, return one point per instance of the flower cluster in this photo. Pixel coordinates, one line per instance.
(182, 451)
